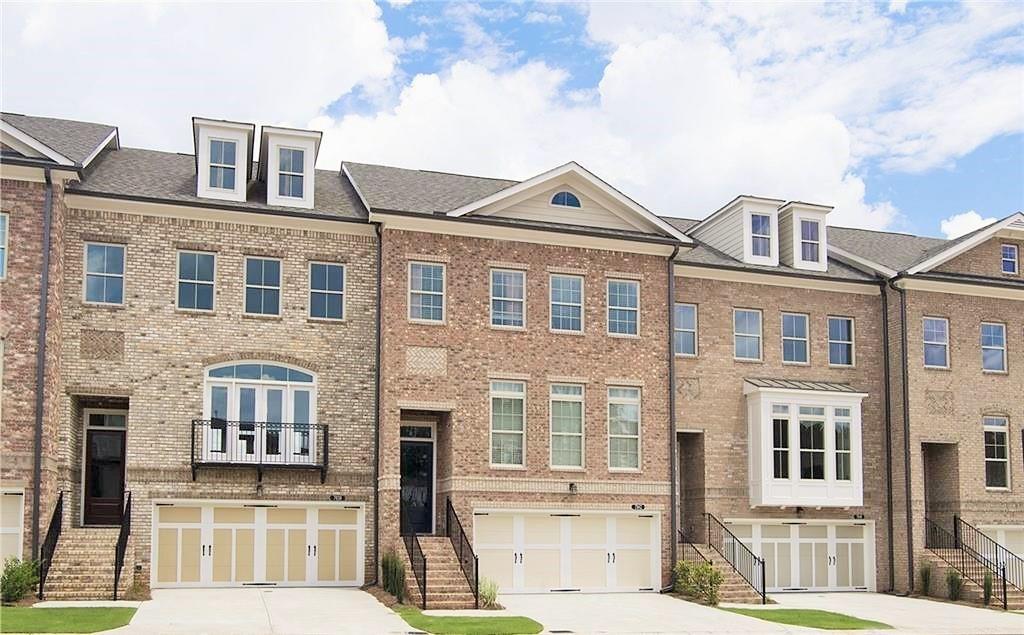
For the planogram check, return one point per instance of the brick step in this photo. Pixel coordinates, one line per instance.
(971, 591)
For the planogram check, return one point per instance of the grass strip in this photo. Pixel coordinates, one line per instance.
(483, 625)
(25, 619)
(811, 618)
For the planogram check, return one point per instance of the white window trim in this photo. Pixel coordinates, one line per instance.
(806, 339)
(1005, 429)
(925, 342)
(342, 293)
(551, 199)
(768, 236)
(852, 341)
(280, 171)
(678, 329)
(1005, 369)
(760, 335)
(212, 283)
(490, 281)
(491, 394)
(787, 417)
(828, 448)
(581, 399)
(581, 305)
(836, 452)
(802, 240)
(639, 427)
(123, 275)
(443, 293)
(1015, 259)
(609, 307)
(232, 166)
(276, 139)
(6, 244)
(280, 287)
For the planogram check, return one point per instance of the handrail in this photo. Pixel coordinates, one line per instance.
(690, 551)
(261, 444)
(122, 540)
(419, 564)
(737, 554)
(949, 548)
(49, 545)
(463, 549)
(998, 556)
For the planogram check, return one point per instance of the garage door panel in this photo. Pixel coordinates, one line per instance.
(542, 569)
(633, 568)
(190, 553)
(348, 555)
(223, 543)
(632, 531)
(542, 530)
(857, 564)
(589, 568)
(589, 530)
(297, 552)
(493, 530)
(167, 555)
(245, 555)
(813, 556)
(497, 565)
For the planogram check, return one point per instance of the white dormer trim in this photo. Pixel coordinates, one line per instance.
(814, 213)
(1013, 224)
(574, 169)
(31, 145)
(272, 141)
(772, 260)
(207, 130)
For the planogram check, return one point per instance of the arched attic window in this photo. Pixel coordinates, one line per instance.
(565, 199)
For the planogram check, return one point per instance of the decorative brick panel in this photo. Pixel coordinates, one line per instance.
(426, 361)
(102, 345)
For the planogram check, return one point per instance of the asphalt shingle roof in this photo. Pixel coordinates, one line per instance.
(895, 251)
(419, 191)
(76, 140)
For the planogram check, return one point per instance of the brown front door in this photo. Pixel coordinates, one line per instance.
(104, 477)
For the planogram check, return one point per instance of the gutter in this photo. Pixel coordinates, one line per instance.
(888, 435)
(376, 412)
(673, 448)
(906, 429)
(45, 165)
(44, 299)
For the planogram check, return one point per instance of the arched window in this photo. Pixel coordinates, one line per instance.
(565, 199)
(259, 412)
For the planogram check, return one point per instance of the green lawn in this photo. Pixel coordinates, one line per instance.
(25, 619)
(497, 625)
(811, 618)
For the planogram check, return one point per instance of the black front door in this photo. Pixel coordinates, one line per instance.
(104, 477)
(417, 507)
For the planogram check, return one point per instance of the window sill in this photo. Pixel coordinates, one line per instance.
(624, 470)
(196, 312)
(513, 329)
(555, 468)
(624, 336)
(843, 366)
(262, 316)
(994, 372)
(103, 305)
(998, 490)
(939, 368)
(325, 320)
(686, 356)
(564, 332)
(743, 360)
(785, 363)
(428, 322)
(517, 468)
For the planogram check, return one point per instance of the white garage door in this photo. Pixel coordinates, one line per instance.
(234, 544)
(12, 519)
(1009, 536)
(538, 552)
(812, 556)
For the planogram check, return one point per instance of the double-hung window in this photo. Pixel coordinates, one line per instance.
(844, 450)
(508, 298)
(812, 443)
(936, 342)
(566, 303)
(840, 341)
(761, 235)
(195, 280)
(1010, 259)
(993, 347)
(746, 334)
(508, 423)
(104, 273)
(566, 425)
(810, 243)
(426, 292)
(326, 291)
(222, 164)
(685, 328)
(262, 286)
(3, 245)
(997, 462)
(623, 428)
(794, 338)
(290, 170)
(780, 441)
(623, 307)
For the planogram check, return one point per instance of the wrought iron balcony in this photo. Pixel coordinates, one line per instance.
(260, 444)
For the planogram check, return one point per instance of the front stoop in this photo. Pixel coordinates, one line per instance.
(447, 587)
(972, 592)
(734, 588)
(83, 565)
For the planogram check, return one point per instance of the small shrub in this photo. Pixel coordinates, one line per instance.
(701, 581)
(488, 593)
(986, 587)
(393, 570)
(19, 577)
(955, 584)
(926, 579)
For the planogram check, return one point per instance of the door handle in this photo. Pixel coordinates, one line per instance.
(309, 550)
(314, 550)
(613, 558)
(204, 549)
(210, 549)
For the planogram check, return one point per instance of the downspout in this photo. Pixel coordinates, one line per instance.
(906, 431)
(376, 413)
(44, 300)
(888, 433)
(673, 449)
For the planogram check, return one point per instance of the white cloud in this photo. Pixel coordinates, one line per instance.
(399, 4)
(898, 6)
(540, 17)
(960, 224)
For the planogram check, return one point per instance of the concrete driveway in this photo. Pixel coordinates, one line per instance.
(263, 611)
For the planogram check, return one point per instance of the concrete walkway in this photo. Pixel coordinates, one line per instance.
(253, 611)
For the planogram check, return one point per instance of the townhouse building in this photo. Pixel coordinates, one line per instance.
(252, 371)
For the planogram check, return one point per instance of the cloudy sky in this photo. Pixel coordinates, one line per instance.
(906, 116)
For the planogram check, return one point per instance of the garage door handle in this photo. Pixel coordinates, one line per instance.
(309, 550)
(314, 550)
(613, 558)
(204, 549)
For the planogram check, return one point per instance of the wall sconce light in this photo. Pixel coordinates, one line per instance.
(572, 488)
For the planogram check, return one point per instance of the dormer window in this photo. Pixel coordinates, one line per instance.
(222, 164)
(761, 235)
(565, 199)
(290, 172)
(223, 158)
(810, 243)
(804, 236)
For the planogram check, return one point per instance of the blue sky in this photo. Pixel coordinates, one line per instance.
(905, 116)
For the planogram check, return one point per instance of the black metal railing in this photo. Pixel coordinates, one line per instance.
(262, 444)
(972, 565)
(688, 551)
(738, 555)
(49, 545)
(122, 540)
(999, 557)
(419, 564)
(463, 550)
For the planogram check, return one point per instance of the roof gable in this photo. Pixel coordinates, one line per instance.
(1011, 226)
(63, 141)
